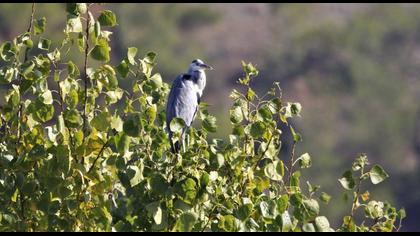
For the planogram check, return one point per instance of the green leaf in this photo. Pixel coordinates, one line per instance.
(155, 210)
(177, 124)
(39, 26)
(81, 42)
(62, 153)
(244, 211)
(347, 180)
(227, 223)
(114, 96)
(7, 51)
(101, 51)
(324, 197)
(304, 161)
(377, 174)
(76, 8)
(81, 8)
(107, 18)
(348, 224)
(295, 108)
(402, 214)
(122, 142)
(280, 167)
(257, 129)
(14, 196)
(204, 179)
(72, 99)
(54, 56)
(74, 24)
(286, 222)
(27, 67)
(308, 227)
(250, 94)
(322, 224)
(123, 68)
(374, 209)
(131, 54)
(296, 136)
(307, 211)
(236, 115)
(151, 113)
(29, 43)
(156, 81)
(131, 128)
(44, 44)
(186, 190)
(72, 118)
(135, 175)
(295, 181)
(264, 114)
(185, 222)
(102, 122)
(361, 161)
(269, 209)
(150, 57)
(271, 172)
(282, 203)
(209, 123)
(6, 75)
(73, 70)
(46, 97)
(158, 184)
(43, 112)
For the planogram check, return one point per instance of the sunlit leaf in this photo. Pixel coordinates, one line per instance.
(347, 180)
(377, 174)
(185, 222)
(107, 18)
(101, 51)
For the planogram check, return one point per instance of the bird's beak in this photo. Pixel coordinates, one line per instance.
(206, 67)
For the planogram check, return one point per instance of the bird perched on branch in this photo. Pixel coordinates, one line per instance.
(184, 98)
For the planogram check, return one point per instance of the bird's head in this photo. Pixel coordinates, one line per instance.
(198, 65)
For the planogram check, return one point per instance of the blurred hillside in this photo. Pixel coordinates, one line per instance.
(353, 67)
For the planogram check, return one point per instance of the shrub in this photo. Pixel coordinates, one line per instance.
(81, 153)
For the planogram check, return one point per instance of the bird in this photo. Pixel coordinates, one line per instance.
(184, 98)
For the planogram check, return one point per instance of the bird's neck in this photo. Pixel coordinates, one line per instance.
(199, 78)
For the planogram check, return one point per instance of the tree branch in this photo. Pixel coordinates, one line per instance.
(86, 77)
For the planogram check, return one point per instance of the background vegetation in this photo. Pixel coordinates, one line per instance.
(353, 67)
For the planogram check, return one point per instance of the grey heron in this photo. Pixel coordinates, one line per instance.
(184, 98)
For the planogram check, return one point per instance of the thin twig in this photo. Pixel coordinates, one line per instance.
(30, 29)
(263, 153)
(19, 115)
(353, 206)
(256, 164)
(292, 156)
(99, 155)
(86, 77)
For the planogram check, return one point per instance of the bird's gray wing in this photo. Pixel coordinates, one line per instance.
(182, 100)
(170, 106)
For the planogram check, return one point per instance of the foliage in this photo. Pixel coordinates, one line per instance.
(80, 153)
